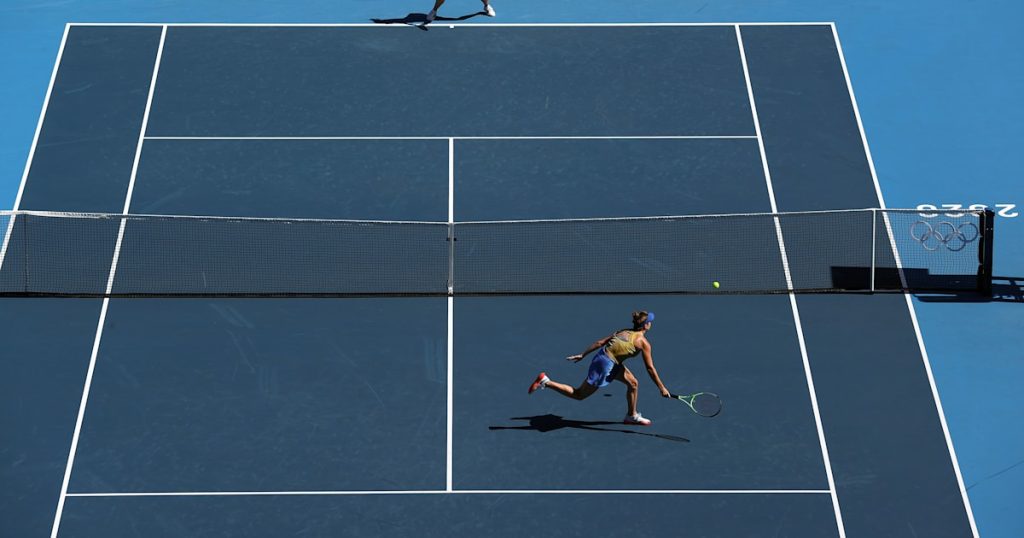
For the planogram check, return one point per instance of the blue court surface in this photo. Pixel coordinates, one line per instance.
(409, 416)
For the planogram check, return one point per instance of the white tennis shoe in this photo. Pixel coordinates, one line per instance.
(489, 10)
(637, 419)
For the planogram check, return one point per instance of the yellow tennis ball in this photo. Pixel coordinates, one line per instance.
(716, 284)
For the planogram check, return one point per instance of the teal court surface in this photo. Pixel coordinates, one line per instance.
(408, 415)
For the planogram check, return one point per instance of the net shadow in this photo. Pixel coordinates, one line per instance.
(888, 279)
(1004, 290)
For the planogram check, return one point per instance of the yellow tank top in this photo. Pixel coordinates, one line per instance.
(622, 345)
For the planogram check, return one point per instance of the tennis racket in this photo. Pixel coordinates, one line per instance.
(705, 404)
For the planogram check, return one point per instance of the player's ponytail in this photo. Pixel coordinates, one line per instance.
(639, 320)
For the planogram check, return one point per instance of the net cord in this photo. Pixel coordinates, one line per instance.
(131, 216)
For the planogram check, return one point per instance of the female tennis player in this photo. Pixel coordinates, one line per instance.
(488, 10)
(607, 366)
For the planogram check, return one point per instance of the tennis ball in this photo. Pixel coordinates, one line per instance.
(716, 284)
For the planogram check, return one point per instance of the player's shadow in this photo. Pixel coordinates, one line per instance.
(548, 423)
(420, 19)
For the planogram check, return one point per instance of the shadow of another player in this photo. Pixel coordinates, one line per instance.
(549, 422)
(421, 18)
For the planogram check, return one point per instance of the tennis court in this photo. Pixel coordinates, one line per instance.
(391, 416)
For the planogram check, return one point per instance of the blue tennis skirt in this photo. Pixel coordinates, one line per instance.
(603, 370)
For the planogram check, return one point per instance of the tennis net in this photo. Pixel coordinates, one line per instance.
(88, 254)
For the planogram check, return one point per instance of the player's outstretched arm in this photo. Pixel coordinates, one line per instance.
(590, 348)
(645, 346)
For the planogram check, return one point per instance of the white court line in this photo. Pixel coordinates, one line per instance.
(458, 25)
(451, 313)
(910, 302)
(764, 162)
(892, 246)
(792, 297)
(467, 492)
(553, 137)
(106, 301)
(35, 142)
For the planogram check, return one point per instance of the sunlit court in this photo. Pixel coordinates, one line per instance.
(291, 280)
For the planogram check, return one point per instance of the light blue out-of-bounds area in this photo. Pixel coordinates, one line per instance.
(938, 85)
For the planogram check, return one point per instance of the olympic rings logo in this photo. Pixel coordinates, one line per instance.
(944, 234)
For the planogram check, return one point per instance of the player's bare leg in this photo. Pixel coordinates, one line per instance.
(433, 12)
(578, 393)
(632, 391)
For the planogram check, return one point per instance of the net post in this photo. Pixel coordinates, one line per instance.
(988, 218)
(451, 258)
(874, 250)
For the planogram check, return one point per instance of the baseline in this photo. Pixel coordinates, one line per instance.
(437, 516)
(567, 137)
(467, 492)
(455, 25)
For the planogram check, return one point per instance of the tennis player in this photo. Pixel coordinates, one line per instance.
(607, 366)
(488, 10)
